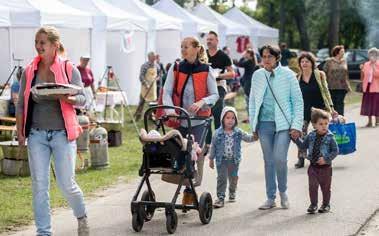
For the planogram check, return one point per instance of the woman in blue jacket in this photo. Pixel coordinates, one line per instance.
(276, 115)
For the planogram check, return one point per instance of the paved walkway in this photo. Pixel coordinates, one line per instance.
(355, 197)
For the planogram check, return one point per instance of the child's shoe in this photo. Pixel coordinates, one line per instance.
(219, 203)
(312, 209)
(232, 197)
(324, 208)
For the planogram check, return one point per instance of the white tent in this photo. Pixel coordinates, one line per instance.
(27, 15)
(4, 17)
(110, 24)
(260, 33)
(226, 27)
(164, 31)
(192, 25)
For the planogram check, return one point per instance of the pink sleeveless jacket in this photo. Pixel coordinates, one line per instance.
(71, 123)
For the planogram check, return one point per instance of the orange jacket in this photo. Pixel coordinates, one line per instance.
(199, 78)
(72, 126)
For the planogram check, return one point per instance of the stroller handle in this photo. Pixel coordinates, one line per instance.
(182, 116)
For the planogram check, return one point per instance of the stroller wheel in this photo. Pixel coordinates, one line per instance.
(148, 210)
(137, 220)
(205, 208)
(171, 221)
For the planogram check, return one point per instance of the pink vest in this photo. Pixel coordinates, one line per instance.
(366, 70)
(71, 123)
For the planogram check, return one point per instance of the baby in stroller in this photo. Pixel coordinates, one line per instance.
(172, 136)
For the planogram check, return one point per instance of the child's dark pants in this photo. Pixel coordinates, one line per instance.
(319, 175)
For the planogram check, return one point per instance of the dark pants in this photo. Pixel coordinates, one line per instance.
(338, 98)
(302, 153)
(139, 109)
(216, 112)
(197, 132)
(319, 176)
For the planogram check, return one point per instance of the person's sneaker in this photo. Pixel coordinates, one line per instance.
(268, 205)
(284, 201)
(324, 209)
(188, 198)
(83, 228)
(232, 197)
(299, 163)
(312, 209)
(219, 203)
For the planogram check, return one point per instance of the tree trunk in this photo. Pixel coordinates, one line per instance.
(282, 16)
(271, 16)
(334, 23)
(299, 17)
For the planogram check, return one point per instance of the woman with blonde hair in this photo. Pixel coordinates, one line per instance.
(51, 127)
(370, 87)
(190, 84)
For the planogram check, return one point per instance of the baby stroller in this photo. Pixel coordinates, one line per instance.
(170, 155)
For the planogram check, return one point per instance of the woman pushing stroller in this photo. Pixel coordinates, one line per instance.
(191, 85)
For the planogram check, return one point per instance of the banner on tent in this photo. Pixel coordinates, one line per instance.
(127, 42)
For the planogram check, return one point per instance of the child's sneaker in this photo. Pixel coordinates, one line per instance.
(232, 197)
(219, 203)
(324, 208)
(312, 209)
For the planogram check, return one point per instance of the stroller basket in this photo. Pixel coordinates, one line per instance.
(164, 153)
(165, 156)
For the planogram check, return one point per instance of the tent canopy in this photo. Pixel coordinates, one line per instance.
(5, 20)
(161, 20)
(231, 27)
(46, 12)
(192, 25)
(256, 27)
(108, 16)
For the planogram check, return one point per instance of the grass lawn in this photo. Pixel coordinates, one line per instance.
(15, 192)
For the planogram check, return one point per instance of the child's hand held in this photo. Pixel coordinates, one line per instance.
(321, 161)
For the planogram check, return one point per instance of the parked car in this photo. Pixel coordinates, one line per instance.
(355, 58)
(322, 54)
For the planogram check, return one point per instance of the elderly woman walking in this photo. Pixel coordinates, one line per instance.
(370, 87)
(276, 115)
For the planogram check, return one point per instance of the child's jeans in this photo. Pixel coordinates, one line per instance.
(227, 170)
(319, 176)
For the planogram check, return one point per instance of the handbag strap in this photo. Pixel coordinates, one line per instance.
(276, 100)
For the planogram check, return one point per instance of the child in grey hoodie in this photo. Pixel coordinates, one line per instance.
(226, 150)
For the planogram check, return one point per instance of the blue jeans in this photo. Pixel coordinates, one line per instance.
(41, 144)
(275, 148)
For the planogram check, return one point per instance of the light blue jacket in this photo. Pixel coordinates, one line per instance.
(287, 91)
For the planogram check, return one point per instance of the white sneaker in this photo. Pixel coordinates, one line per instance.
(83, 228)
(284, 201)
(269, 203)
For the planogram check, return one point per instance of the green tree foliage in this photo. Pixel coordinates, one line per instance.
(352, 32)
